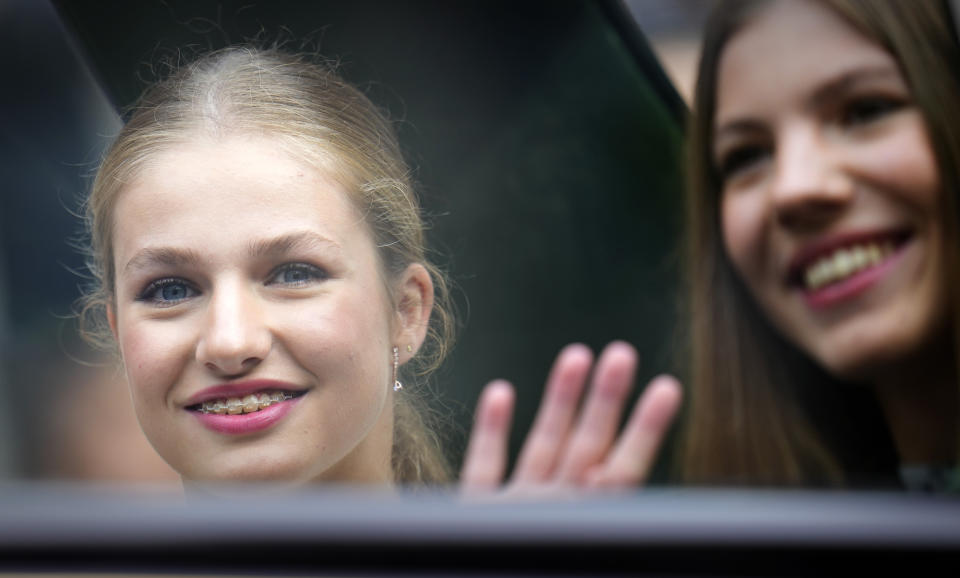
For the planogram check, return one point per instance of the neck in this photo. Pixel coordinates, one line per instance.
(920, 401)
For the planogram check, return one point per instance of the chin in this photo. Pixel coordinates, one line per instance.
(257, 469)
(858, 369)
(871, 360)
(877, 346)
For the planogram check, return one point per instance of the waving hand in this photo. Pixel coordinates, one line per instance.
(570, 446)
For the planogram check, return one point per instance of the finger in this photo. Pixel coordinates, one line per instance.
(486, 459)
(600, 418)
(633, 456)
(551, 427)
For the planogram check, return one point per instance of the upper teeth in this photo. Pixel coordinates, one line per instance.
(845, 262)
(249, 404)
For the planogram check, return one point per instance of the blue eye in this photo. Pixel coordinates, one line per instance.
(167, 292)
(297, 274)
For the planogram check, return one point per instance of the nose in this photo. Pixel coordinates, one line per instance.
(236, 337)
(811, 185)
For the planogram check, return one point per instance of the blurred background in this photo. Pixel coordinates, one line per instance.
(545, 136)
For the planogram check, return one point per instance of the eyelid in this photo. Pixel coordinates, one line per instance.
(882, 106)
(739, 157)
(149, 292)
(316, 272)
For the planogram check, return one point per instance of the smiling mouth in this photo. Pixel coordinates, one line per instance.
(844, 262)
(247, 404)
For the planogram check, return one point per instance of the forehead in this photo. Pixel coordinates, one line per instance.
(216, 193)
(784, 52)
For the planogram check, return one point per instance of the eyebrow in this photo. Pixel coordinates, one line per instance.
(166, 256)
(845, 82)
(291, 242)
(175, 257)
(829, 91)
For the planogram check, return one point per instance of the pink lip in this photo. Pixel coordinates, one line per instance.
(240, 389)
(854, 285)
(824, 246)
(247, 423)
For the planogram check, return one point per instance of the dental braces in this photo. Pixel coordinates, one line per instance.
(274, 398)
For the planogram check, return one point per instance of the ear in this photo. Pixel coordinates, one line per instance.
(414, 295)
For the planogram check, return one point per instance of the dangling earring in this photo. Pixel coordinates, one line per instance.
(397, 386)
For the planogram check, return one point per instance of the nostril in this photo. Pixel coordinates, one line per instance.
(809, 214)
(228, 369)
(818, 192)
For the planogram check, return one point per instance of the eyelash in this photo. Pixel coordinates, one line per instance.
(858, 112)
(153, 291)
(739, 159)
(865, 110)
(312, 273)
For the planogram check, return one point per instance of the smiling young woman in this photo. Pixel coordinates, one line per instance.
(261, 270)
(823, 225)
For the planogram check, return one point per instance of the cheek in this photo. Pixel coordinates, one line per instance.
(905, 164)
(919, 177)
(743, 226)
(342, 335)
(153, 355)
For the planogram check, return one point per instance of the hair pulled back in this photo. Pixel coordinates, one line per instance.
(320, 119)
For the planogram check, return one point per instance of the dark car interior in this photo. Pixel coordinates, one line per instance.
(547, 144)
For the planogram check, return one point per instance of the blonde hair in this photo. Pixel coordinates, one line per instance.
(760, 411)
(319, 118)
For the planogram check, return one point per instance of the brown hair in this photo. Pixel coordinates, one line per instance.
(328, 123)
(760, 411)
